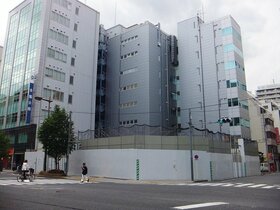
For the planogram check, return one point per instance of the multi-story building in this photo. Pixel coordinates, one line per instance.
(263, 131)
(269, 93)
(50, 53)
(1, 52)
(212, 76)
(140, 77)
(101, 80)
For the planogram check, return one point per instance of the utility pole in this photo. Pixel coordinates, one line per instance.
(191, 143)
(38, 98)
(68, 141)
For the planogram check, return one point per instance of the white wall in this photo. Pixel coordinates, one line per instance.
(252, 165)
(157, 164)
(35, 160)
(222, 166)
(153, 164)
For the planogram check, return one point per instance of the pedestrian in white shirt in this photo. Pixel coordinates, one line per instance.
(25, 168)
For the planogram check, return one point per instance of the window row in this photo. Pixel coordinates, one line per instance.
(231, 31)
(128, 122)
(57, 75)
(232, 48)
(129, 87)
(129, 39)
(129, 55)
(128, 104)
(128, 71)
(233, 65)
(235, 83)
(57, 55)
(53, 94)
(233, 102)
(58, 36)
(60, 19)
(64, 3)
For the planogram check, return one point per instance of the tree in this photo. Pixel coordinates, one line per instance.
(4, 145)
(57, 134)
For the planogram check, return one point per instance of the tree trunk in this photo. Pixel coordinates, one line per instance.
(56, 164)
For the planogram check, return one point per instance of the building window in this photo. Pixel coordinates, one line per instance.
(77, 11)
(233, 102)
(72, 61)
(129, 87)
(54, 74)
(57, 55)
(22, 138)
(74, 44)
(71, 80)
(70, 98)
(128, 71)
(57, 95)
(54, 94)
(75, 27)
(58, 36)
(60, 19)
(128, 104)
(235, 121)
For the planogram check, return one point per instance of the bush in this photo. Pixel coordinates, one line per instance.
(53, 172)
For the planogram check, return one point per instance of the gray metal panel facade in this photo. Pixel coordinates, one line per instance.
(138, 65)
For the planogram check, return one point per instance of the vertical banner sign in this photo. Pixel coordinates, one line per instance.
(29, 104)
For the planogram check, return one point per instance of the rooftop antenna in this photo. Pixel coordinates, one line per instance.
(115, 12)
(202, 11)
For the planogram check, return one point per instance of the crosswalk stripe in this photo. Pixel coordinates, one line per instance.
(243, 185)
(257, 185)
(227, 185)
(200, 205)
(268, 187)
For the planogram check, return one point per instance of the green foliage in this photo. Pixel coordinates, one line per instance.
(57, 134)
(4, 145)
(261, 157)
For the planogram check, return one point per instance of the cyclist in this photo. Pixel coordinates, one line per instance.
(25, 168)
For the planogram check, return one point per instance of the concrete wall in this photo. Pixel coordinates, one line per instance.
(153, 164)
(158, 164)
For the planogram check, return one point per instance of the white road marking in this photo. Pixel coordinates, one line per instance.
(193, 206)
(227, 185)
(243, 185)
(268, 187)
(257, 185)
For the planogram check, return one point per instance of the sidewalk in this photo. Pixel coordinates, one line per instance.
(129, 181)
(94, 179)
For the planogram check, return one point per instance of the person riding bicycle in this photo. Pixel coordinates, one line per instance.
(25, 168)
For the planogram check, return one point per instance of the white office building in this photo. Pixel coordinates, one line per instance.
(50, 51)
(212, 76)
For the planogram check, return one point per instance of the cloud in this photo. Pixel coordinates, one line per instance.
(258, 19)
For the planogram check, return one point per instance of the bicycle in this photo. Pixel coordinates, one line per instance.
(29, 175)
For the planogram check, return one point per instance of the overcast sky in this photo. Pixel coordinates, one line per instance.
(259, 21)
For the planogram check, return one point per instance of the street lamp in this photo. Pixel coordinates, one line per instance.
(38, 98)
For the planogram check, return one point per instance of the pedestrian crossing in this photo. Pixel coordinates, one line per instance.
(226, 184)
(39, 182)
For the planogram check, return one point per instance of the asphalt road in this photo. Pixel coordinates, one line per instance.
(259, 192)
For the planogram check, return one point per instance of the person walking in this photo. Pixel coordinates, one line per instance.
(84, 173)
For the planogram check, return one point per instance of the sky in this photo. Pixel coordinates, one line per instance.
(259, 21)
